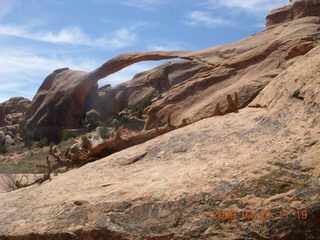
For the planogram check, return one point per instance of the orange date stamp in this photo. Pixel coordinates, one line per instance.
(261, 214)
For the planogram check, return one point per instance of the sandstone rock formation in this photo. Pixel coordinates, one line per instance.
(245, 67)
(250, 174)
(61, 100)
(197, 83)
(264, 158)
(297, 9)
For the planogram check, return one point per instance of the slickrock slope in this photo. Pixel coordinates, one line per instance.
(263, 158)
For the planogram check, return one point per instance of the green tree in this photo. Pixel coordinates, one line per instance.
(26, 135)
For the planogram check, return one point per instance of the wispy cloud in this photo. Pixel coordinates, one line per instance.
(205, 18)
(248, 5)
(74, 35)
(143, 4)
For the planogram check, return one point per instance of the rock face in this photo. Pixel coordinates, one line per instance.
(297, 9)
(261, 160)
(245, 67)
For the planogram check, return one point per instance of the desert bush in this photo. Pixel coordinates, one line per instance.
(116, 123)
(138, 110)
(43, 142)
(13, 182)
(69, 133)
(26, 135)
(123, 119)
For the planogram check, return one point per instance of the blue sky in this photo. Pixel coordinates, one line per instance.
(38, 36)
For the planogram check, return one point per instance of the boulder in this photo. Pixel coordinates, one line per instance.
(92, 119)
(8, 141)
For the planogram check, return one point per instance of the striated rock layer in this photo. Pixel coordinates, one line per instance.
(265, 158)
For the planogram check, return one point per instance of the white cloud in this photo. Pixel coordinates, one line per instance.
(74, 35)
(249, 5)
(205, 18)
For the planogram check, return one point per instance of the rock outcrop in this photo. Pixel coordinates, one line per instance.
(16, 105)
(204, 181)
(297, 9)
(12, 111)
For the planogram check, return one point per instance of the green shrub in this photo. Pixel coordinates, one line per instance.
(123, 119)
(3, 150)
(68, 133)
(116, 123)
(43, 142)
(138, 110)
(26, 135)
